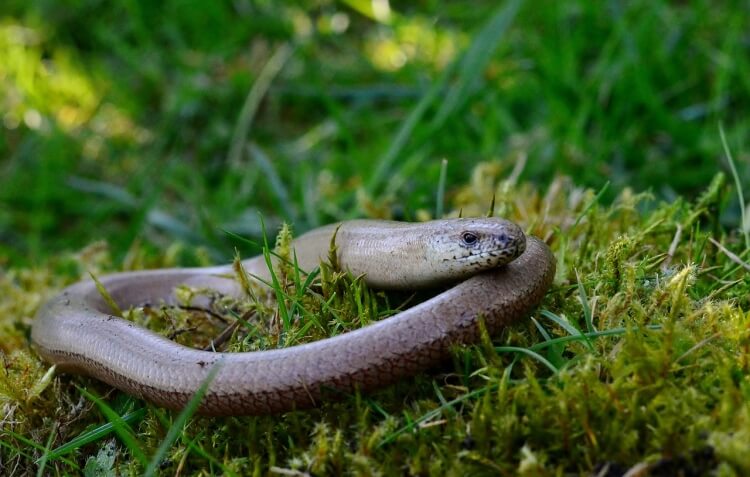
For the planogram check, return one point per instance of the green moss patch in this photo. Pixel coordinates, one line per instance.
(638, 356)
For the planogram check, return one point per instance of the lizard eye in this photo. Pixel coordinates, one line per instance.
(469, 238)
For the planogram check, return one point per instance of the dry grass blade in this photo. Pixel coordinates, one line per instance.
(732, 256)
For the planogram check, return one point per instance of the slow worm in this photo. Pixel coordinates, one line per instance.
(496, 280)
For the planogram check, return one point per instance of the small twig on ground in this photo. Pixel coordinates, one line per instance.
(222, 338)
(697, 346)
(672, 247)
(736, 259)
(227, 333)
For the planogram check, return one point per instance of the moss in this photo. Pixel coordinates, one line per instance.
(646, 326)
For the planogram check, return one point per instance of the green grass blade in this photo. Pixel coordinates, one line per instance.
(440, 200)
(591, 204)
(275, 284)
(738, 186)
(106, 190)
(120, 427)
(470, 67)
(545, 334)
(475, 60)
(106, 296)
(555, 352)
(177, 426)
(259, 89)
(567, 326)
(587, 314)
(582, 337)
(94, 435)
(383, 165)
(31, 444)
(278, 188)
(528, 352)
(432, 414)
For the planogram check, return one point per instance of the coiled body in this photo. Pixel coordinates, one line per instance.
(76, 331)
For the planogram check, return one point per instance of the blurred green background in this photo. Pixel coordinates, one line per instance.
(132, 120)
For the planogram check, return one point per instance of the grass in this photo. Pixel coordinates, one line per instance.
(593, 124)
(638, 355)
(130, 102)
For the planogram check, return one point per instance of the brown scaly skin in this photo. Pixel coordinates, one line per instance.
(75, 331)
